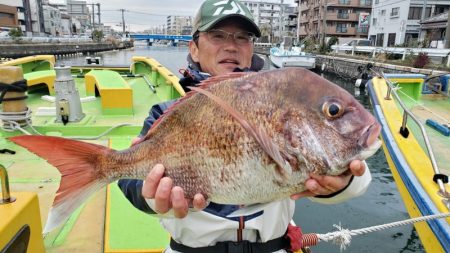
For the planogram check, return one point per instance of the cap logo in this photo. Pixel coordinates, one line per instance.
(228, 7)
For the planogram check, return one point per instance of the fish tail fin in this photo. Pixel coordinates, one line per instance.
(80, 166)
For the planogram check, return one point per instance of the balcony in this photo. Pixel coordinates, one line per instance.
(363, 30)
(342, 16)
(20, 16)
(351, 3)
(334, 30)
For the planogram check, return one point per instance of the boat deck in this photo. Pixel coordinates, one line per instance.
(107, 222)
(435, 107)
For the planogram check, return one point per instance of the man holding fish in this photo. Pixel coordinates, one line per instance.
(238, 149)
(223, 43)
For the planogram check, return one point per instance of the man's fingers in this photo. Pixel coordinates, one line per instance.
(152, 181)
(302, 195)
(357, 168)
(199, 202)
(163, 195)
(179, 203)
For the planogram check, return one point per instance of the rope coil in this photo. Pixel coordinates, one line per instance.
(18, 86)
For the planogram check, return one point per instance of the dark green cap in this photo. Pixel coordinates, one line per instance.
(212, 12)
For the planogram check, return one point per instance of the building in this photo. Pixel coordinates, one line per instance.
(434, 29)
(52, 20)
(397, 22)
(179, 25)
(29, 15)
(344, 18)
(80, 16)
(273, 18)
(8, 17)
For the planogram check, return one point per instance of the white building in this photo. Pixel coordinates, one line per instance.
(396, 22)
(80, 16)
(52, 20)
(272, 16)
(179, 25)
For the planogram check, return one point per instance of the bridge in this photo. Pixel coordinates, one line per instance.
(150, 38)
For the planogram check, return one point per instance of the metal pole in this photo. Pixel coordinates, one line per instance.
(98, 13)
(324, 25)
(123, 22)
(447, 34)
(93, 17)
(6, 197)
(422, 18)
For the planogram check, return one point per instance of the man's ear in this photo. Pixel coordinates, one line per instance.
(193, 50)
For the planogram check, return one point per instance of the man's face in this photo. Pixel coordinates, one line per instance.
(222, 58)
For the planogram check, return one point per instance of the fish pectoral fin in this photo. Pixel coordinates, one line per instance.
(249, 210)
(284, 169)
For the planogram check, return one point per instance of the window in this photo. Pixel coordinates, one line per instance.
(415, 13)
(374, 21)
(394, 12)
(365, 2)
(377, 1)
(344, 2)
(341, 28)
(383, 12)
(342, 14)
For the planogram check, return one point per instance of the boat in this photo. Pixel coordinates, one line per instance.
(97, 103)
(415, 116)
(294, 57)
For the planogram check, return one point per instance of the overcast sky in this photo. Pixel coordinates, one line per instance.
(142, 14)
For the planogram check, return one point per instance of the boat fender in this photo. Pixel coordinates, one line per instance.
(438, 127)
(442, 177)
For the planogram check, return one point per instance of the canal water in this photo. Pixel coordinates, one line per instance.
(379, 205)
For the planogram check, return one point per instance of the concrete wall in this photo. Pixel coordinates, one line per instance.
(21, 50)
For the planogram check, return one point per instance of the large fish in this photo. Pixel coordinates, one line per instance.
(244, 138)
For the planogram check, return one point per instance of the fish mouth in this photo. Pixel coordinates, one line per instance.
(370, 135)
(369, 142)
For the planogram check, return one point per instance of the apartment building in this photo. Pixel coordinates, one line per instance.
(274, 17)
(341, 18)
(179, 25)
(396, 22)
(80, 16)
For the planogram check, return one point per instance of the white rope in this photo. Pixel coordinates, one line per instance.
(11, 121)
(343, 237)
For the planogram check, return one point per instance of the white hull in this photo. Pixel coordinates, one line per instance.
(304, 61)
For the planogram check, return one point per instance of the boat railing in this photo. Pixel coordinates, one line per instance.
(404, 132)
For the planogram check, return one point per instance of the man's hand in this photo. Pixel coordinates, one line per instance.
(326, 185)
(167, 196)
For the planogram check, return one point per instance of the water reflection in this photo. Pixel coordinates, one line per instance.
(380, 204)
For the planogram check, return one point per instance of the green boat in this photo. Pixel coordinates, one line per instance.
(99, 104)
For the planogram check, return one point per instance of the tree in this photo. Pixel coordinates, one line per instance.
(97, 35)
(15, 33)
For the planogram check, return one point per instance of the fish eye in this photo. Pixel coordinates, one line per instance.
(332, 110)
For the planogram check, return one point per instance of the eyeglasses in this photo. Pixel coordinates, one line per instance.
(219, 37)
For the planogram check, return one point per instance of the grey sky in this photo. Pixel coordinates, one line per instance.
(142, 14)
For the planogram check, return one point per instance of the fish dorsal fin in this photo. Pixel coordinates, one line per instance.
(203, 84)
(220, 78)
(284, 169)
